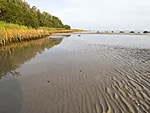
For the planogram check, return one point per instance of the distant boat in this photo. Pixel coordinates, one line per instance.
(79, 35)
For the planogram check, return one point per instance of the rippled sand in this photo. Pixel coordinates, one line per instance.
(87, 78)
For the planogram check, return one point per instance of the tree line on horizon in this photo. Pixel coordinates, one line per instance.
(20, 12)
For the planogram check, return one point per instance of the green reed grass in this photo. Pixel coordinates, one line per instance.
(15, 33)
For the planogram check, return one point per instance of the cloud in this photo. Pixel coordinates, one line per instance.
(101, 14)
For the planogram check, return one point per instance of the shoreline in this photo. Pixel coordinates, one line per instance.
(10, 33)
(22, 33)
(8, 36)
(114, 33)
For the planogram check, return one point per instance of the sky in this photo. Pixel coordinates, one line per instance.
(99, 14)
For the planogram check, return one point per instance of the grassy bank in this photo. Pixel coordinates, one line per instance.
(14, 33)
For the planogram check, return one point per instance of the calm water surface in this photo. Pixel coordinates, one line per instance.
(86, 74)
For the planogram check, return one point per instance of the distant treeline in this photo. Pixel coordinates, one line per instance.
(20, 12)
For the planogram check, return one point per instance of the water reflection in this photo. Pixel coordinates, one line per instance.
(84, 74)
(11, 95)
(12, 56)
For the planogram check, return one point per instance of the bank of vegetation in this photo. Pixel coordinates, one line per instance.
(19, 21)
(15, 33)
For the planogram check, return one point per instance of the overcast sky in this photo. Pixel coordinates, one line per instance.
(99, 14)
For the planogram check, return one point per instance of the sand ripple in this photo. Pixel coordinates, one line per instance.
(91, 78)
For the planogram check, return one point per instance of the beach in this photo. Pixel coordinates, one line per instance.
(92, 73)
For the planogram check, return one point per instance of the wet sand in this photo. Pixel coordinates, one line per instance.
(80, 76)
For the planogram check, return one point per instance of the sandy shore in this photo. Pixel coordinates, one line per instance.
(97, 79)
(78, 77)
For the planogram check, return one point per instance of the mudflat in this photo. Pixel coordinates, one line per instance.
(92, 73)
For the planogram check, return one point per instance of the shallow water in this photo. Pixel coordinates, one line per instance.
(87, 74)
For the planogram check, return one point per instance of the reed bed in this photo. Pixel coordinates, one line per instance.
(14, 33)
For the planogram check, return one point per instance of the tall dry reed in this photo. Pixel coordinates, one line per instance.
(15, 33)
